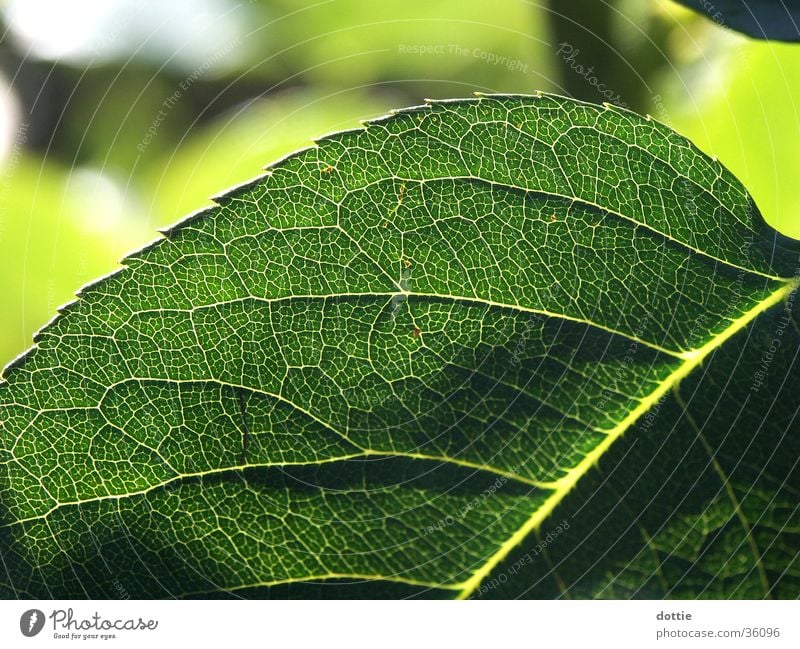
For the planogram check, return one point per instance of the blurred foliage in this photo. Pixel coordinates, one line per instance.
(621, 44)
(59, 229)
(751, 122)
(124, 116)
(337, 43)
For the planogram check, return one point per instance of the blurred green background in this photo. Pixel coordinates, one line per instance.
(121, 116)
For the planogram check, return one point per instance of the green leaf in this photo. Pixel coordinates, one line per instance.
(766, 19)
(405, 358)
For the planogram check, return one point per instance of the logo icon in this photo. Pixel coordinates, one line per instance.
(31, 622)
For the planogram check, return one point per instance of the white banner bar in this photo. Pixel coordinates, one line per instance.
(403, 624)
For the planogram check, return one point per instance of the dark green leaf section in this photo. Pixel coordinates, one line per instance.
(382, 365)
(700, 500)
(766, 19)
(152, 542)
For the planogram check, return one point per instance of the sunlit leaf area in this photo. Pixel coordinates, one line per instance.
(118, 117)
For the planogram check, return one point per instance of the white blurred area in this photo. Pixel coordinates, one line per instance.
(182, 33)
(99, 200)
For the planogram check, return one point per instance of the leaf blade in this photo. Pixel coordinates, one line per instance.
(384, 309)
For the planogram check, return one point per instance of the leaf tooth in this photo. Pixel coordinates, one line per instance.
(19, 361)
(134, 256)
(409, 110)
(40, 333)
(64, 308)
(231, 193)
(456, 100)
(272, 166)
(186, 221)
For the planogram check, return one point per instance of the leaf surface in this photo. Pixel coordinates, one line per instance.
(393, 363)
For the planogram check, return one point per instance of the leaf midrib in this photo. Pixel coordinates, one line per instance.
(574, 475)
